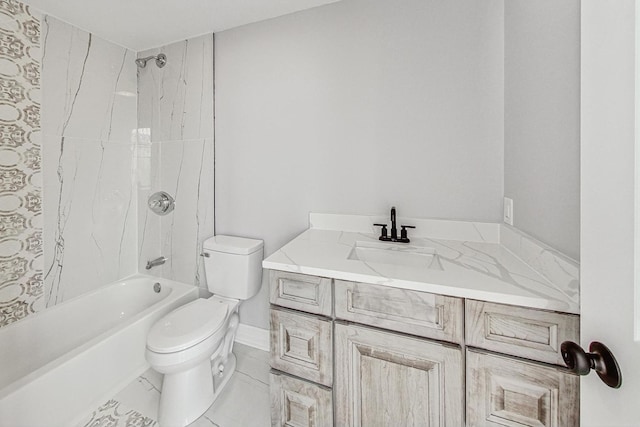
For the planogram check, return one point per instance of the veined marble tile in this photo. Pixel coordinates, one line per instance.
(550, 263)
(89, 109)
(89, 85)
(176, 102)
(184, 169)
(244, 402)
(143, 394)
(149, 233)
(466, 269)
(90, 215)
(175, 154)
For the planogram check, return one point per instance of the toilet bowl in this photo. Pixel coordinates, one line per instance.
(181, 346)
(192, 346)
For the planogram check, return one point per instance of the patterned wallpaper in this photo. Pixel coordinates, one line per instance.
(20, 163)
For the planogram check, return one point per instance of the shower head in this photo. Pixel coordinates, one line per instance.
(161, 60)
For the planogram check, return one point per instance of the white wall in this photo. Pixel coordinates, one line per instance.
(542, 119)
(354, 107)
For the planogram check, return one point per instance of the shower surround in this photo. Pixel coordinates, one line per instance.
(89, 139)
(112, 134)
(175, 117)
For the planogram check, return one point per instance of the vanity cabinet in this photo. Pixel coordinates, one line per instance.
(354, 354)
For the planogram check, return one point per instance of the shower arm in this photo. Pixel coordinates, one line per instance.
(161, 60)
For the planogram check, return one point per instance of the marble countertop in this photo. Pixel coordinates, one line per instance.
(471, 261)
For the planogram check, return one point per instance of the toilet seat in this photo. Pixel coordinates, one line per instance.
(188, 325)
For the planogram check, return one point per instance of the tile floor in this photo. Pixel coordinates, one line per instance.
(243, 403)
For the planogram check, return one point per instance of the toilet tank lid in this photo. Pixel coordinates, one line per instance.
(232, 244)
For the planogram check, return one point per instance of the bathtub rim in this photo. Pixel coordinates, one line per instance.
(178, 290)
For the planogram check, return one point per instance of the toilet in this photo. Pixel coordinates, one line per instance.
(192, 346)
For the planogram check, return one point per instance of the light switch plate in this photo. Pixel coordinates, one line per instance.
(508, 211)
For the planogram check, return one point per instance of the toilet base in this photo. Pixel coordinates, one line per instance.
(219, 381)
(187, 395)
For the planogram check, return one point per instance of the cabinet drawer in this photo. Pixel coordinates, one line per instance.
(302, 345)
(524, 332)
(295, 402)
(413, 312)
(502, 391)
(301, 292)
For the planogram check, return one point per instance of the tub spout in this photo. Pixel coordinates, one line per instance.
(155, 262)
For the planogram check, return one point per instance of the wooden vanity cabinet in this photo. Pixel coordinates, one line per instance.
(355, 354)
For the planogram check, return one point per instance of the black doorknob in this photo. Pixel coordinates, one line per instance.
(600, 359)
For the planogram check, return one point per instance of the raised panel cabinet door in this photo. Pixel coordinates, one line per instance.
(388, 379)
(503, 391)
(518, 331)
(403, 310)
(301, 292)
(302, 345)
(298, 403)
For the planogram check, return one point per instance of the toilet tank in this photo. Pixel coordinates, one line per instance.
(233, 266)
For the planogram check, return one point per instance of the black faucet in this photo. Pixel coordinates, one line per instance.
(394, 230)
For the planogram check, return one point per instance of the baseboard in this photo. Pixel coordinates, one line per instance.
(253, 337)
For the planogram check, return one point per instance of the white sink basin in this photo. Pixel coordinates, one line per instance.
(392, 253)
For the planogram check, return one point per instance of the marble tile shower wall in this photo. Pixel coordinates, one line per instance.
(74, 183)
(20, 163)
(89, 146)
(176, 155)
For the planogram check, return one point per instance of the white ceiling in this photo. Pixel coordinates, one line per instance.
(144, 24)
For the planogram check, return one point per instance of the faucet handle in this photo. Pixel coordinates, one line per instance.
(383, 232)
(403, 232)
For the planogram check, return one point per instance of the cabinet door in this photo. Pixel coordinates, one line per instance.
(297, 403)
(302, 345)
(502, 391)
(388, 379)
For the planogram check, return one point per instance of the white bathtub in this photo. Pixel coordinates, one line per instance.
(57, 365)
